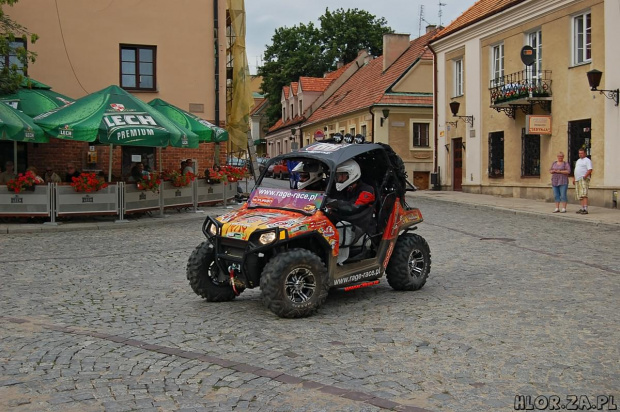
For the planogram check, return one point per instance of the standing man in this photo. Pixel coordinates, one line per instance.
(581, 180)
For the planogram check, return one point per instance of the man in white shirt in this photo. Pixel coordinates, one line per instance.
(581, 180)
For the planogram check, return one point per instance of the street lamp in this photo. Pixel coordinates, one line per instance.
(594, 78)
(454, 108)
(386, 113)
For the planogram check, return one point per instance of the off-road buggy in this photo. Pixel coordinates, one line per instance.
(282, 241)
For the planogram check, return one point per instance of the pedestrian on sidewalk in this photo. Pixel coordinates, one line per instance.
(559, 182)
(581, 180)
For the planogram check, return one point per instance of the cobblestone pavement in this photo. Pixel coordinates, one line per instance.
(515, 304)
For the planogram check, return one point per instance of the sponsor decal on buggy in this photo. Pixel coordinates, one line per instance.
(302, 228)
(388, 254)
(358, 276)
(234, 235)
(325, 148)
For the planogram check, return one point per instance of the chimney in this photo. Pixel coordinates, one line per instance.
(393, 46)
(430, 28)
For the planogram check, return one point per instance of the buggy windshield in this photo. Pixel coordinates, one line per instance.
(303, 201)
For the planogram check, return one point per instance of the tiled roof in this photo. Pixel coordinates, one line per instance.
(370, 84)
(314, 84)
(336, 73)
(258, 105)
(285, 90)
(294, 87)
(281, 125)
(479, 11)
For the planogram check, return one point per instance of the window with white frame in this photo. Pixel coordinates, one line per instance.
(458, 77)
(534, 39)
(497, 64)
(582, 38)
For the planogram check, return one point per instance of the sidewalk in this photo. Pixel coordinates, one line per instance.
(596, 216)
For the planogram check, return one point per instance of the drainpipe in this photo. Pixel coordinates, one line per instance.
(435, 108)
(216, 29)
(372, 123)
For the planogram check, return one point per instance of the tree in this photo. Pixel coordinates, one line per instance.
(12, 50)
(305, 50)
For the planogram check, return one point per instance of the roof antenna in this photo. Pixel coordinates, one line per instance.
(441, 12)
(422, 19)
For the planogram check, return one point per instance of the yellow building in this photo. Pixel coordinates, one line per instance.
(518, 73)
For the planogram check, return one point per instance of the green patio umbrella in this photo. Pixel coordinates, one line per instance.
(34, 98)
(113, 116)
(18, 127)
(33, 102)
(207, 132)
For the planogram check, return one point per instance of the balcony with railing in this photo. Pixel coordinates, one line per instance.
(521, 90)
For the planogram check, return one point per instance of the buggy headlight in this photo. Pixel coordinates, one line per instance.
(267, 238)
(212, 229)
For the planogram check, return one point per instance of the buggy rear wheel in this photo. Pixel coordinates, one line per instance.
(205, 277)
(294, 284)
(410, 263)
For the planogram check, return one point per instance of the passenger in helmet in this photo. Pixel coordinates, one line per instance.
(310, 176)
(352, 205)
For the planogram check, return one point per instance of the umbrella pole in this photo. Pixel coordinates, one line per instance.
(110, 166)
(15, 156)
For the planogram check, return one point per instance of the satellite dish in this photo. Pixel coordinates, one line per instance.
(528, 55)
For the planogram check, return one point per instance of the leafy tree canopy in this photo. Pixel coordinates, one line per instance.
(306, 50)
(13, 55)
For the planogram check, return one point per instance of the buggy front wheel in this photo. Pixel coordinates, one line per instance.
(410, 263)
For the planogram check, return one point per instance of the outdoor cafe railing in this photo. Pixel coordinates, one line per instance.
(53, 200)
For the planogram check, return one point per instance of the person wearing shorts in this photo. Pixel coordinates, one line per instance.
(581, 180)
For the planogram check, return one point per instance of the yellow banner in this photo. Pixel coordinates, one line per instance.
(239, 112)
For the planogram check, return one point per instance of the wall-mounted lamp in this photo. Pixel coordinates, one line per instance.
(594, 78)
(453, 124)
(386, 113)
(293, 131)
(447, 146)
(454, 107)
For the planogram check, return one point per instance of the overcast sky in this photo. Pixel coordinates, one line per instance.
(403, 16)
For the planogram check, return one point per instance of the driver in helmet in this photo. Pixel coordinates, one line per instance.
(352, 206)
(310, 176)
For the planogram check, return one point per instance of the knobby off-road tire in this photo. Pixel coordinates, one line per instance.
(294, 284)
(410, 263)
(202, 275)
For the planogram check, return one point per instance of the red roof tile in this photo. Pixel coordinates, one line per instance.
(285, 90)
(258, 104)
(294, 87)
(314, 84)
(291, 122)
(370, 84)
(479, 11)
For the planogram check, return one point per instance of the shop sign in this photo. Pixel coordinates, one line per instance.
(538, 124)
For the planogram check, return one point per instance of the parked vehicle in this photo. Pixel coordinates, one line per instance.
(280, 170)
(282, 240)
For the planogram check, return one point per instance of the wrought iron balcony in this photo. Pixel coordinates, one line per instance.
(521, 90)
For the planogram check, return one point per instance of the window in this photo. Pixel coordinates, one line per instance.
(11, 59)
(352, 131)
(530, 154)
(364, 130)
(292, 111)
(496, 154)
(534, 40)
(421, 135)
(458, 77)
(138, 67)
(283, 113)
(301, 107)
(497, 64)
(582, 38)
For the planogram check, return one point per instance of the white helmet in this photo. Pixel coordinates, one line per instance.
(353, 173)
(308, 174)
